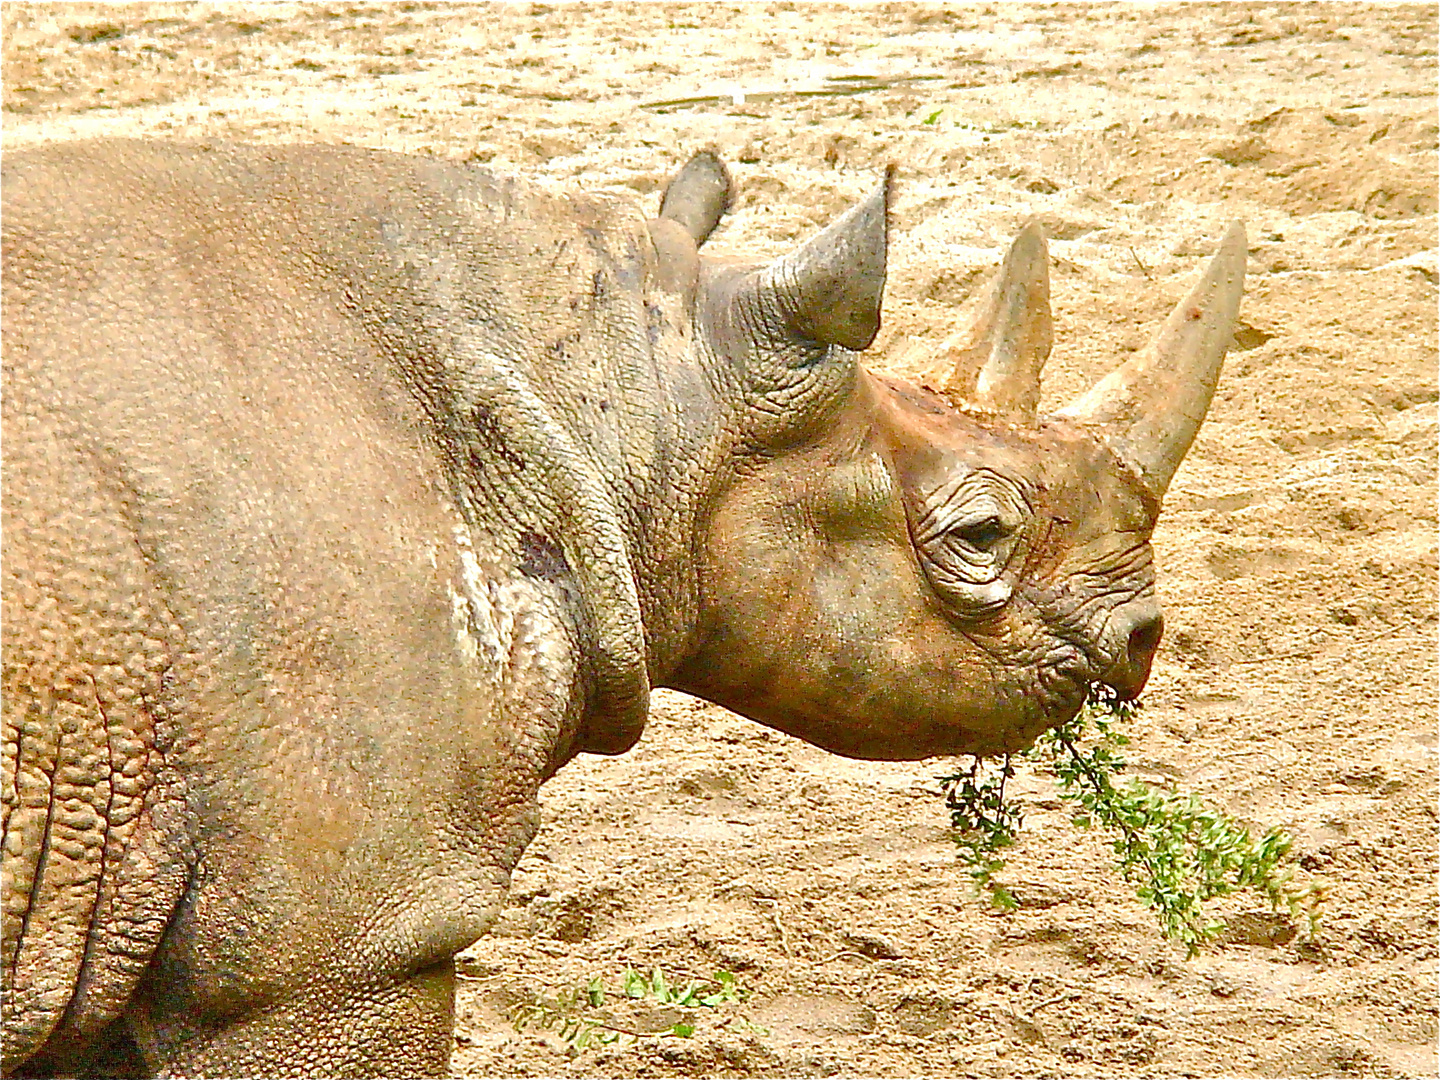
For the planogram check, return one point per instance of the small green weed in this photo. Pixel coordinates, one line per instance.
(1175, 851)
(580, 1018)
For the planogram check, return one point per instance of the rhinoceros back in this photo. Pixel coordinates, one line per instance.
(91, 866)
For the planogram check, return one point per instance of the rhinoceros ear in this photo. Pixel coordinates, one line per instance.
(995, 361)
(698, 196)
(1150, 408)
(828, 291)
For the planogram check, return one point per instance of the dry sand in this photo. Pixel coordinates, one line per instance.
(1297, 683)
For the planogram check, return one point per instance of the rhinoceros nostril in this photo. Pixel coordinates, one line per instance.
(1144, 639)
(1140, 630)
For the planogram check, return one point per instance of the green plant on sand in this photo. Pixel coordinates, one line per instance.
(580, 1015)
(1175, 851)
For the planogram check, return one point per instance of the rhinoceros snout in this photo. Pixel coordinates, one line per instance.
(1140, 630)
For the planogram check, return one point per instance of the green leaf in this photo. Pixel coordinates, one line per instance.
(686, 997)
(1001, 898)
(635, 984)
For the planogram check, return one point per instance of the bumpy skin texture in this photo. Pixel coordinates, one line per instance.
(349, 495)
(266, 689)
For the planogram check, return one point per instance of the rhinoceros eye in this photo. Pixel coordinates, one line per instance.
(984, 534)
(967, 539)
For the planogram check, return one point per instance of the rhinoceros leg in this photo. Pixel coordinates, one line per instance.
(400, 1029)
(114, 1054)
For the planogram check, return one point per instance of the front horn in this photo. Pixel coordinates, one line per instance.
(1150, 407)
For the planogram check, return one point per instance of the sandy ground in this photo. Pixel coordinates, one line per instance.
(1297, 684)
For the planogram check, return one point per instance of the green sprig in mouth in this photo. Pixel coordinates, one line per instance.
(1174, 850)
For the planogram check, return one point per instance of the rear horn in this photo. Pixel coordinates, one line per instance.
(995, 363)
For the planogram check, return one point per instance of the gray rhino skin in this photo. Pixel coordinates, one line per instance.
(349, 495)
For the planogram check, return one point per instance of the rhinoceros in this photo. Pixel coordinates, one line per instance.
(349, 495)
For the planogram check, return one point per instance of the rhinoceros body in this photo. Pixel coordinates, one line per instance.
(349, 495)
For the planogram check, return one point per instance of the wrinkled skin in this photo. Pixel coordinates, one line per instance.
(349, 495)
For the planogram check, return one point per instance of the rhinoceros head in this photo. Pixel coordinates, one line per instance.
(893, 572)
